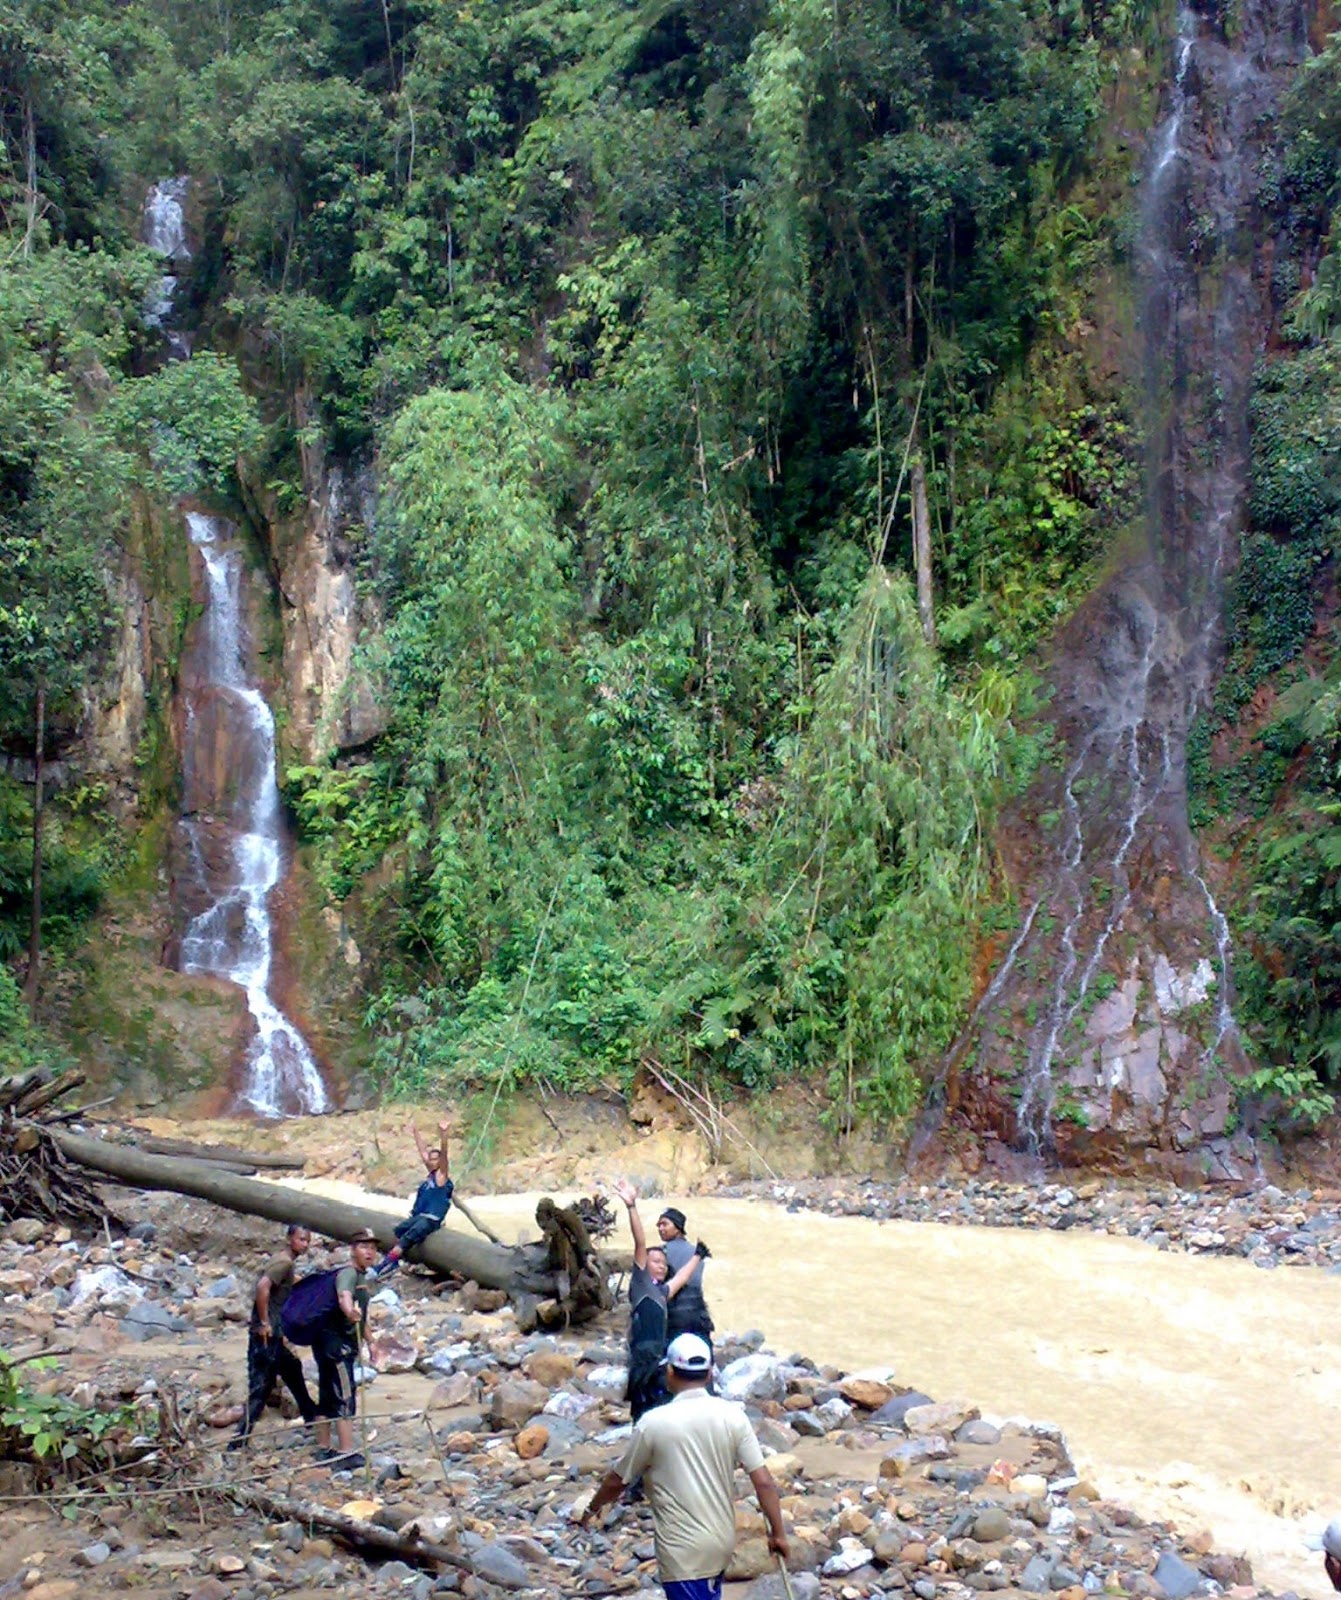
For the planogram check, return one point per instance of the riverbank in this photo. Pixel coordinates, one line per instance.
(488, 1438)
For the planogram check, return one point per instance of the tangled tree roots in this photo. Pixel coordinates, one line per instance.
(37, 1179)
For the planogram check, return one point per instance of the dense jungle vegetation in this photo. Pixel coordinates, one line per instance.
(672, 327)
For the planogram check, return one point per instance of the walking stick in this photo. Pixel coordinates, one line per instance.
(786, 1579)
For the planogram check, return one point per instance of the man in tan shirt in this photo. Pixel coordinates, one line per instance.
(690, 1450)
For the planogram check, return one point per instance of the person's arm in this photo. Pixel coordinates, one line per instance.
(345, 1285)
(766, 1493)
(1333, 1568)
(263, 1288)
(444, 1164)
(683, 1276)
(420, 1146)
(612, 1486)
(629, 1195)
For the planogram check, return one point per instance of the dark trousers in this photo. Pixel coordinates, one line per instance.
(414, 1230)
(270, 1361)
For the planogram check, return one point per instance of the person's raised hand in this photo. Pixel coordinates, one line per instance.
(626, 1192)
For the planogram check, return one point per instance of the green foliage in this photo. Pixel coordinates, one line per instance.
(638, 307)
(51, 1429)
(196, 421)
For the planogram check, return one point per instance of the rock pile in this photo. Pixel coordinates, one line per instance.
(1266, 1226)
(487, 1440)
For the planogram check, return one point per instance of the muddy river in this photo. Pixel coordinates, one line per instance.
(1196, 1389)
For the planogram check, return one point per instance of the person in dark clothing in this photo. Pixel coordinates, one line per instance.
(688, 1312)
(269, 1359)
(432, 1200)
(652, 1290)
(336, 1349)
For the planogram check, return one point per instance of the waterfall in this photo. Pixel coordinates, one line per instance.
(164, 231)
(228, 721)
(1121, 889)
(229, 836)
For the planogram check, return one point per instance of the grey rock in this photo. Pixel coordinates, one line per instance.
(221, 1288)
(894, 1410)
(146, 1319)
(1064, 1577)
(805, 1586)
(754, 1377)
(990, 1525)
(924, 1589)
(807, 1423)
(495, 1563)
(93, 1555)
(976, 1431)
(1175, 1577)
(145, 1232)
(1037, 1575)
(291, 1536)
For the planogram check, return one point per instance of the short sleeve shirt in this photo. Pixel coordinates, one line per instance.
(690, 1450)
(678, 1251)
(641, 1287)
(279, 1269)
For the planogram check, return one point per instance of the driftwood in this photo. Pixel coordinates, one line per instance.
(407, 1544)
(37, 1180)
(237, 1160)
(528, 1273)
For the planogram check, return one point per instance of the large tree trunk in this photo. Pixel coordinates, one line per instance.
(31, 982)
(520, 1271)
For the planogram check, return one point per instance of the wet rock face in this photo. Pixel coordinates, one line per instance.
(330, 702)
(1107, 1025)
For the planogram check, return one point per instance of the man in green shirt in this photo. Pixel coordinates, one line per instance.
(269, 1359)
(336, 1349)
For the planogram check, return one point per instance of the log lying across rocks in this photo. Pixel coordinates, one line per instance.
(549, 1281)
(353, 1531)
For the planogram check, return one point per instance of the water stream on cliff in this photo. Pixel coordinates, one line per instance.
(230, 830)
(1122, 888)
(236, 846)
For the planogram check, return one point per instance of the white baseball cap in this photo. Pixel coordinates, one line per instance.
(689, 1354)
(1329, 1539)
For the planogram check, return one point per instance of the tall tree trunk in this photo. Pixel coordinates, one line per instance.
(30, 162)
(922, 549)
(32, 981)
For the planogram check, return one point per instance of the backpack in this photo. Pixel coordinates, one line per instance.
(309, 1306)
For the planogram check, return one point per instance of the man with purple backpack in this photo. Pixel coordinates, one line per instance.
(327, 1311)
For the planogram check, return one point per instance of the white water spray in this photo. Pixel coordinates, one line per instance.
(232, 937)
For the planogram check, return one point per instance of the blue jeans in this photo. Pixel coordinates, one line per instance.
(694, 1589)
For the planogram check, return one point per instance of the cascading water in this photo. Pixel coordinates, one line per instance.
(1123, 892)
(164, 231)
(231, 937)
(229, 838)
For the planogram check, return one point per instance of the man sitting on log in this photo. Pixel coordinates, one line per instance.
(269, 1359)
(432, 1201)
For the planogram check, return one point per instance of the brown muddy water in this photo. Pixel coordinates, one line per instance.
(1198, 1390)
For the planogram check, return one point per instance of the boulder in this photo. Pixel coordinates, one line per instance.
(515, 1401)
(868, 1393)
(944, 1416)
(531, 1441)
(550, 1367)
(754, 1377)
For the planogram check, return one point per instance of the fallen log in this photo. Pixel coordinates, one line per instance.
(408, 1543)
(523, 1268)
(237, 1159)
